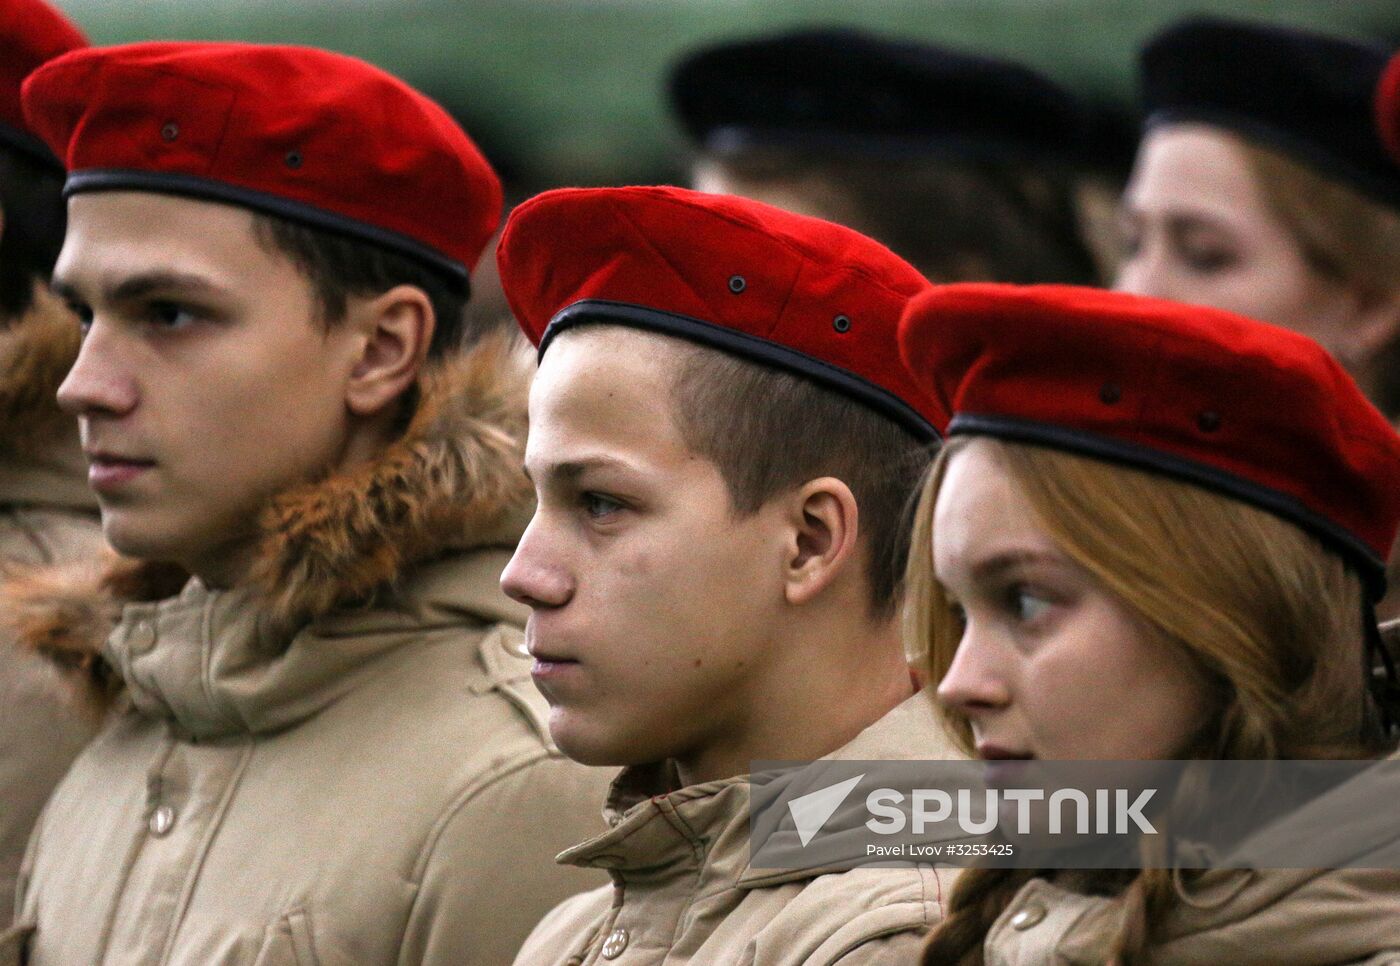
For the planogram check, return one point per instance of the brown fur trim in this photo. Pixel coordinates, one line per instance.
(36, 352)
(453, 477)
(66, 612)
(62, 614)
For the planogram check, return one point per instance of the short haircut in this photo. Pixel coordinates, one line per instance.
(339, 267)
(769, 431)
(35, 218)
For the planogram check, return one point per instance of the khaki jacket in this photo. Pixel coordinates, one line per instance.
(1245, 917)
(343, 762)
(683, 891)
(47, 515)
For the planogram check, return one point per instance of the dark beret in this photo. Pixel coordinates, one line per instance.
(1308, 95)
(845, 90)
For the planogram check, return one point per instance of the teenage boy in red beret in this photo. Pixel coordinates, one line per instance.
(47, 513)
(723, 446)
(328, 750)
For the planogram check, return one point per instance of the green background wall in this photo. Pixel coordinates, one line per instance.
(570, 91)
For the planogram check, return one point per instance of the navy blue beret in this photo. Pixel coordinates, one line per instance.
(1309, 95)
(848, 91)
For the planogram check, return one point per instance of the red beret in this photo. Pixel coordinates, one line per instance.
(1259, 413)
(31, 33)
(784, 290)
(1388, 108)
(305, 134)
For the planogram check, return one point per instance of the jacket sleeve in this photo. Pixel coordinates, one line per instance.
(490, 874)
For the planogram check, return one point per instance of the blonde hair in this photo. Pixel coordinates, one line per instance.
(1345, 236)
(1270, 615)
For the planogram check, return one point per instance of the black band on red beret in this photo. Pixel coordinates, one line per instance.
(163, 182)
(785, 290)
(1371, 567)
(1248, 410)
(747, 346)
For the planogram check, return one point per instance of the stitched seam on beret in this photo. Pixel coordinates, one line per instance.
(621, 212)
(1192, 471)
(163, 182)
(743, 344)
(799, 250)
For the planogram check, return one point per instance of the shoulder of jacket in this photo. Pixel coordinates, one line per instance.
(505, 671)
(837, 913)
(571, 927)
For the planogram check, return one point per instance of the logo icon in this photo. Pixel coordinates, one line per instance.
(811, 811)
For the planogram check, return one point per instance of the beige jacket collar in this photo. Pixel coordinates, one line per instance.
(214, 665)
(660, 830)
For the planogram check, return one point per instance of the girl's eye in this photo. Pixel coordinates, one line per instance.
(1206, 262)
(598, 506)
(1206, 255)
(1027, 606)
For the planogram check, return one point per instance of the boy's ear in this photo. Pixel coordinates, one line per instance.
(825, 526)
(394, 331)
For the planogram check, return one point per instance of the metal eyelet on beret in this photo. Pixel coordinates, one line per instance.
(170, 131)
(293, 159)
(1208, 421)
(1110, 393)
(841, 324)
(737, 284)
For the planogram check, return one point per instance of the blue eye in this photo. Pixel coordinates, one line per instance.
(170, 315)
(598, 506)
(1027, 606)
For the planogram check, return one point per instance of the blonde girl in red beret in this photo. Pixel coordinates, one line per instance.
(1111, 561)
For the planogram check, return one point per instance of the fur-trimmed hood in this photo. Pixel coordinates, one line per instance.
(41, 463)
(36, 352)
(452, 481)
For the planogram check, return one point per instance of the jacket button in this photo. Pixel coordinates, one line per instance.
(162, 820)
(143, 636)
(615, 943)
(1028, 917)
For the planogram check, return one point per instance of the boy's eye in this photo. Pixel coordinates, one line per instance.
(170, 315)
(598, 506)
(83, 314)
(958, 613)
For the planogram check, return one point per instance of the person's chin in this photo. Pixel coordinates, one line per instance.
(139, 535)
(588, 744)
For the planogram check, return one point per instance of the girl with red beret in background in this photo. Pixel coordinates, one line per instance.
(1154, 533)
